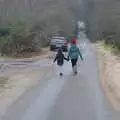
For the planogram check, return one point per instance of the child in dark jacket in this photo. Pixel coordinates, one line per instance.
(60, 59)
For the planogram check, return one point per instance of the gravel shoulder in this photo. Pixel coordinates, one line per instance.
(21, 80)
(45, 53)
(20, 83)
(109, 67)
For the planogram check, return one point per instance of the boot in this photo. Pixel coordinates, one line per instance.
(75, 69)
(61, 74)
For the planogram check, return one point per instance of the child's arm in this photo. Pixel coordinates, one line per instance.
(66, 58)
(55, 58)
(68, 54)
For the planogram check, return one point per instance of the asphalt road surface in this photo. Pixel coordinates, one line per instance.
(70, 97)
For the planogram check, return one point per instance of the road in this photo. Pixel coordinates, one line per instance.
(70, 97)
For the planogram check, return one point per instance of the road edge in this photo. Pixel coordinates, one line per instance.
(20, 100)
(103, 77)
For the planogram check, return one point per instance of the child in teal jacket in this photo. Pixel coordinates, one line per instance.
(73, 54)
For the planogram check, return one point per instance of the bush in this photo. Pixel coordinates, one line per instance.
(31, 25)
(19, 41)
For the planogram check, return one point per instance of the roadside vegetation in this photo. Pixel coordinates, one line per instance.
(3, 81)
(27, 26)
(103, 21)
(110, 47)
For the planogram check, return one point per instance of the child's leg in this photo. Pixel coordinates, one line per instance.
(74, 65)
(73, 62)
(75, 69)
(60, 68)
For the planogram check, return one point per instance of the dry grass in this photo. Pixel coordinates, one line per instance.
(109, 66)
(110, 48)
(3, 81)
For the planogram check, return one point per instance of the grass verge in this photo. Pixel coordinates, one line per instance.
(3, 81)
(110, 47)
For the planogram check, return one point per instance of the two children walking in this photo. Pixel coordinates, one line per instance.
(73, 54)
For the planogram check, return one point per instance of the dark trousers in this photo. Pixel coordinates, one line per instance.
(74, 62)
